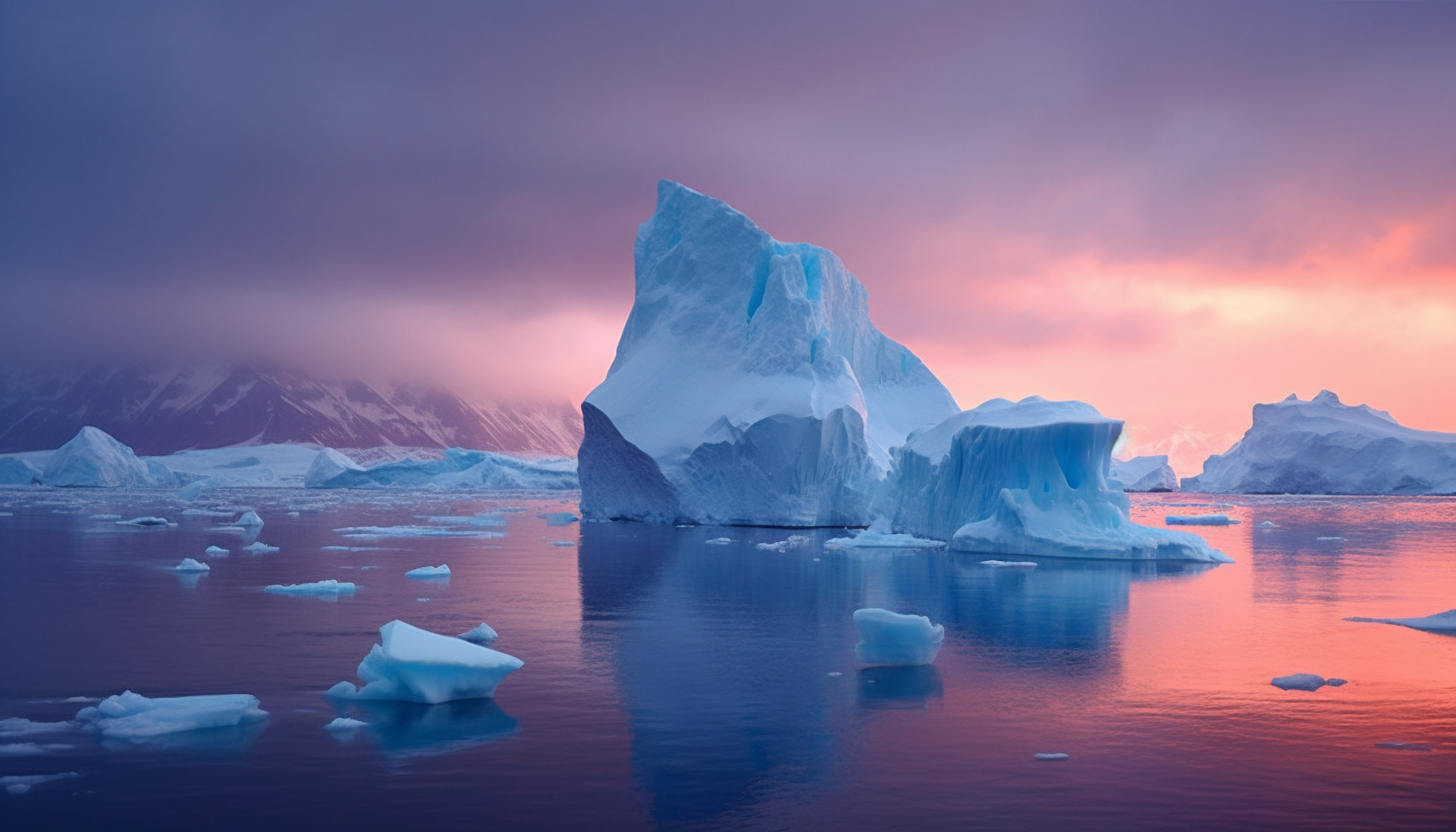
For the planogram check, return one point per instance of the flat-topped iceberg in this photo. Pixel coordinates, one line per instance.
(414, 665)
(455, 469)
(93, 459)
(191, 565)
(131, 716)
(316, 589)
(1325, 447)
(1143, 473)
(890, 638)
(749, 386)
(1025, 478)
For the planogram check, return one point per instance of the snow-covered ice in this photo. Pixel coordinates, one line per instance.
(1325, 447)
(317, 589)
(414, 665)
(131, 716)
(1200, 520)
(191, 565)
(879, 536)
(1143, 473)
(749, 385)
(889, 638)
(441, 571)
(22, 783)
(1302, 681)
(481, 634)
(1025, 478)
(1441, 622)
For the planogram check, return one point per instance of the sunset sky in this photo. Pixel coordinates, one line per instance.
(1171, 210)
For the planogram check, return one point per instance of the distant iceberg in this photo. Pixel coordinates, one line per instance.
(93, 459)
(1325, 447)
(1143, 473)
(1025, 478)
(749, 385)
(455, 469)
(191, 565)
(414, 665)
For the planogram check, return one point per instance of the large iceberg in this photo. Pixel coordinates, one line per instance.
(1325, 447)
(455, 469)
(131, 716)
(93, 459)
(1143, 473)
(749, 386)
(414, 665)
(1025, 478)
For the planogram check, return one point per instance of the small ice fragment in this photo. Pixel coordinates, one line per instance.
(1028, 564)
(889, 638)
(563, 543)
(794, 541)
(249, 520)
(318, 589)
(215, 552)
(22, 783)
(482, 634)
(559, 518)
(441, 571)
(1404, 746)
(133, 716)
(1329, 539)
(1200, 520)
(145, 522)
(1268, 524)
(1055, 755)
(260, 548)
(344, 723)
(719, 541)
(191, 565)
(414, 665)
(1299, 681)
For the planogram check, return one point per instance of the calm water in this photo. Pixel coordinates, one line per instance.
(673, 684)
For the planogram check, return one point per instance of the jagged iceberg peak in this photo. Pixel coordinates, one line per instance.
(1323, 446)
(749, 384)
(93, 459)
(1025, 478)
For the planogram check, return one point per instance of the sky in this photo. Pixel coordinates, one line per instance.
(1171, 210)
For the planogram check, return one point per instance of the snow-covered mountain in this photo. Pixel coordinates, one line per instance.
(162, 410)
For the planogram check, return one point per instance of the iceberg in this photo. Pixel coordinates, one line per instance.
(1006, 564)
(317, 589)
(427, 572)
(1025, 478)
(16, 471)
(457, 468)
(131, 716)
(1143, 473)
(414, 665)
(482, 634)
(889, 638)
(879, 536)
(92, 459)
(191, 565)
(1323, 446)
(749, 385)
(1441, 622)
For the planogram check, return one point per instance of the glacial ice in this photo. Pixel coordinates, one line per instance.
(1325, 447)
(879, 536)
(428, 572)
(455, 469)
(1143, 473)
(1200, 520)
(414, 665)
(889, 638)
(1048, 756)
(145, 522)
(191, 565)
(317, 589)
(22, 783)
(16, 471)
(481, 634)
(1025, 478)
(1441, 622)
(92, 459)
(1004, 564)
(749, 386)
(131, 716)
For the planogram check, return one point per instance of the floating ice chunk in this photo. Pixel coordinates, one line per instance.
(559, 518)
(344, 723)
(1404, 746)
(22, 783)
(483, 634)
(1441, 622)
(1330, 539)
(894, 639)
(414, 665)
(793, 541)
(1026, 564)
(370, 532)
(318, 589)
(145, 522)
(215, 552)
(19, 727)
(1268, 524)
(719, 541)
(106, 517)
(441, 571)
(249, 520)
(1054, 755)
(258, 547)
(1200, 520)
(32, 749)
(131, 716)
(1300, 681)
(191, 565)
(879, 536)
